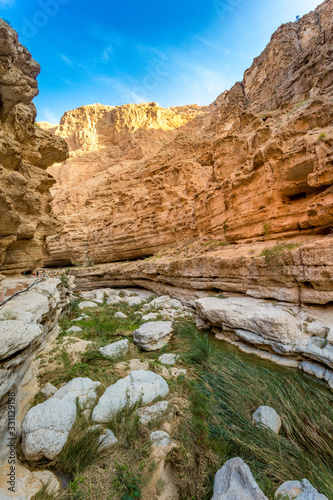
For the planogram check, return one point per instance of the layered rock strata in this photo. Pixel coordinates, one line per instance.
(26, 323)
(26, 151)
(255, 164)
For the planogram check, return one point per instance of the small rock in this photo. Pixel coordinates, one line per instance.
(82, 317)
(290, 489)
(160, 438)
(153, 336)
(115, 350)
(133, 301)
(139, 384)
(235, 482)
(114, 299)
(150, 316)
(74, 329)
(107, 440)
(120, 315)
(168, 359)
(175, 372)
(267, 416)
(48, 390)
(86, 305)
(151, 412)
(45, 428)
(82, 390)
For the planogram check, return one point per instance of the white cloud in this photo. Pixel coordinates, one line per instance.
(50, 116)
(106, 53)
(66, 59)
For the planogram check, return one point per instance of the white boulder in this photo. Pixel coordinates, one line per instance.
(74, 329)
(45, 428)
(139, 384)
(289, 489)
(149, 317)
(82, 390)
(168, 359)
(267, 417)
(151, 412)
(160, 438)
(87, 304)
(115, 350)
(120, 315)
(107, 439)
(153, 335)
(235, 482)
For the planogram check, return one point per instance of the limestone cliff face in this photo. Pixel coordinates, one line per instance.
(255, 165)
(25, 153)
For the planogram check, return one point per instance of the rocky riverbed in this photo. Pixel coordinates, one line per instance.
(116, 365)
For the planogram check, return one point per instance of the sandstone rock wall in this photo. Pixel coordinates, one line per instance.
(256, 164)
(25, 152)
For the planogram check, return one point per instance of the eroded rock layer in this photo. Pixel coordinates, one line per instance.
(255, 164)
(25, 152)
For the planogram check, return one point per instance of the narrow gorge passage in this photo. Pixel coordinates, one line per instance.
(166, 269)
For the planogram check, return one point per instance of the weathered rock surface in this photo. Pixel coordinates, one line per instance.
(107, 439)
(140, 384)
(115, 350)
(301, 490)
(80, 390)
(153, 335)
(35, 315)
(28, 483)
(280, 328)
(151, 412)
(86, 304)
(45, 428)
(256, 164)
(267, 417)
(160, 438)
(235, 481)
(168, 359)
(25, 152)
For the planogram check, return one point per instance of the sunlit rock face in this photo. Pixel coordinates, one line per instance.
(25, 153)
(256, 163)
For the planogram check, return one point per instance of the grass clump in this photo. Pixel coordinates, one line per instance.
(321, 136)
(223, 397)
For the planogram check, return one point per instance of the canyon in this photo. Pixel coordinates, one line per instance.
(225, 212)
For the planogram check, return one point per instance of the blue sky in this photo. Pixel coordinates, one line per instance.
(173, 52)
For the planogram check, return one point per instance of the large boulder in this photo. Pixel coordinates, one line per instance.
(153, 335)
(82, 390)
(235, 482)
(267, 417)
(45, 428)
(115, 350)
(257, 322)
(139, 384)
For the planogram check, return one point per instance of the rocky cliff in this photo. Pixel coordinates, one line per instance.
(256, 164)
(25, 153)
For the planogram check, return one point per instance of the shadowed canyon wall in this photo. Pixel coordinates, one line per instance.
(25, 153)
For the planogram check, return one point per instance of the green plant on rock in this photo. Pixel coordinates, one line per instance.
(272, 255)
(267, 228)
(321, 136)
(64, 278)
